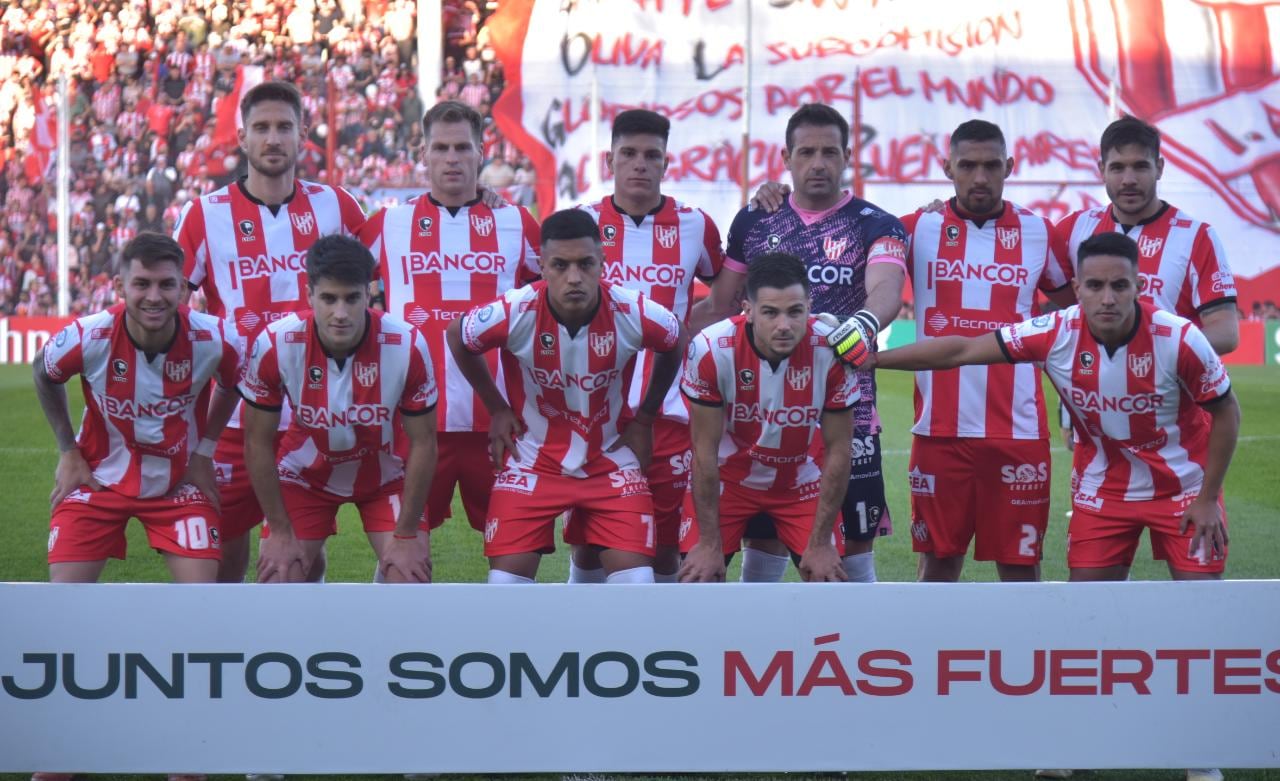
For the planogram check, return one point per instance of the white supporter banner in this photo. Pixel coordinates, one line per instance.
(474, 678)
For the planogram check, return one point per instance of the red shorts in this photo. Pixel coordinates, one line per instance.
(89, 525)
(1107, 536)
(791, 512)
(240, 509)
(614, 510)
(994, 490)
(668, 476)
(314, 512)
(463, 462)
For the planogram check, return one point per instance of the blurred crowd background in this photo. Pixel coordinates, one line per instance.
(145, 78)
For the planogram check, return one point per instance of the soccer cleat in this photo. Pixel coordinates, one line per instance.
(1204, 774)
(1055, 773)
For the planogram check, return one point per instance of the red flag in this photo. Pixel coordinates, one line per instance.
(44, 138)
(227, 110)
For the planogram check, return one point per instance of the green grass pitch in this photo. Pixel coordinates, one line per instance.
(27, 459)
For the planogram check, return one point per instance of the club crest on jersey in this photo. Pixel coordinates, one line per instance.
(246, 229)
(773, 241)
(602, 344)
(610, 233)
(547, 341)
(1150, 246)
(314, 376)
(953, 235)
(1140, 365)
(1009, 237)
(178, 371)
(1086, 362)
(303, 223)
(798, 378)
(483, 226)
(490, 529)
(366, 374)
(746, 378)
(666, 235)
(424, 226)
(834, 248)
(120, 367)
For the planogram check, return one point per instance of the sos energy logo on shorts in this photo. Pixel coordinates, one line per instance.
(822, 666)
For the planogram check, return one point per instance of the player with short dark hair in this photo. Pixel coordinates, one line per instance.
(244, 246)
(440, 255)
(658, 246)
(352, 376)
(568, 342)
(149, 428)
(758, 385)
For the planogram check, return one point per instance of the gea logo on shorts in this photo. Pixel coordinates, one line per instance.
(516, 482)
(1024, 477)
(921, 483)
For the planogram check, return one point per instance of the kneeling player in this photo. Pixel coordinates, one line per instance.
(352, 376)
(145, 367)
(759, 384)
(569, 342)
(1152, 405)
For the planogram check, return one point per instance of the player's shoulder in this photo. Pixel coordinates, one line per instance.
(724, 334)
(619, 293)
(203, 326)
(872, 217)
(1163, 322)
(1085, 218)
(594, 208)
(99, 324)
(1181, 219)
(292, 323)
(820, 329)
(1029, 219)
(748, 218)
(218, 197)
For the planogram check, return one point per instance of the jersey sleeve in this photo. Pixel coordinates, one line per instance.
(64, 353)
(659, 328)
(909, 222)
(712, 258)
(887, 242)
(260, 382)
(487, 327)
(1060, 244)
(190, 235)
(530, 248)
(1200, 370)
(735, 254)
(843, 389)
(420, 391)
(350, 211)
(1030, 340)
(370, 235)
(698, 380)
(1057, 272)
(1211, 279)
(230, 365)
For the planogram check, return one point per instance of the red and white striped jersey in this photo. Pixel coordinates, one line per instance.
(1142, 434)
(142, 417)
(970, 278)
(252, 263)
(659, 257)
(569, 388)
(1182, 267)
(436, 264)
(770, 413)
(341, 438)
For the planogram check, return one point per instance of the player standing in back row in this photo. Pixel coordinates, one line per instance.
(855, 256)
(440, 255)
(245, 247)
(657, 246)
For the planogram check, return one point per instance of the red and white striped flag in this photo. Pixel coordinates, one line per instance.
(228, 108)
(44, 138)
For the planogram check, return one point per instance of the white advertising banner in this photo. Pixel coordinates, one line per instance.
(474, 678)
(1051, 74)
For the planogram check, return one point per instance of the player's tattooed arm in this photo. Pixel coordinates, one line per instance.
(884, 283)
(820, 561)
(281, 557)
(944, 352)
(407, 558)
(705, 561)
(1203, 513)
(504, 426)
(1221, 326)
(72, 471)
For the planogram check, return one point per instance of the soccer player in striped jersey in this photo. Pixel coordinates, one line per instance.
(1152, 402)
(440, 255)
(979, 467)
(353, 376)
(657, 246)
(1182, 267)
(758, 386)
(569, 344)
(245, 246)
(149, 428)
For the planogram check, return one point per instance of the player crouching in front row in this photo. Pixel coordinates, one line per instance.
(568, 343)
(759, 386)
(352, 376)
